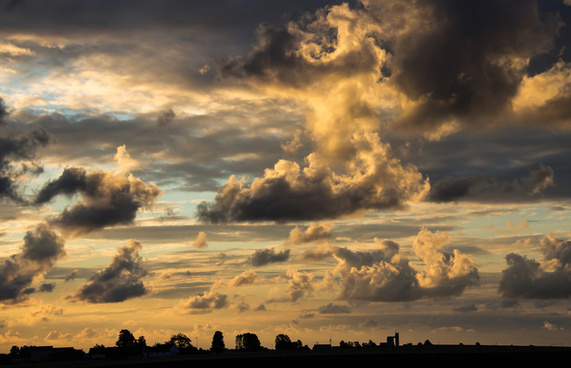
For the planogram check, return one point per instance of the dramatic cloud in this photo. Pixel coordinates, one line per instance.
(350, 169)
(475, 57)
(387, 275)
(432, 66)
(549, 278)
(107, 198)
(288, 192)
(262, 257)
(205, 302)
(41, 249)
(119, 281)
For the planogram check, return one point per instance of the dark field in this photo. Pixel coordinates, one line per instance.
(395, 357)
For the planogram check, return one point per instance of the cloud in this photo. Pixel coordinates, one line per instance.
(243, 307)
(551, 327)
(205, 302)
(245, 278)
(471, 307)
(483, 189)
(262, 257)
(300, 285)
(45, 312)
(200, 241)
(107, 199)
(387, 275)
(549, 278)
(334, 309)
(488, 39)
(387, 66)
(119, 281)
(18, 148)
(287, 192)
(314, 232)
(47, 288)
(57, 335)
(41, 249)
(351, 170)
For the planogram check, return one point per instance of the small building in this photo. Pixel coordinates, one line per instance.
(322, 347)
(161, 350)
(55, 354)
(102, 352)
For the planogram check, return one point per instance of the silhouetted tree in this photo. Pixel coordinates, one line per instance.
(126, 340)
(141, 342)
(283, 342)
(248, 342)
(14, 351)
(369, 344)
(182, 342)
(217, 342)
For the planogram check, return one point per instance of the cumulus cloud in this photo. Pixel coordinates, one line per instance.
(314, 232)
(387, 275)
(205, 302)
(483, 189)
(200, 241)
(350, 169)
(119, 281)
(45, 313)
(287, 192)
(429, 67)
(300, 285)
(549, 278)
(40, 251)
(262, 257)
(245, 278)
(107, 198)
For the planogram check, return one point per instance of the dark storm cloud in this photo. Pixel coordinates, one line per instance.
(549, 278)
(489, 190)
(107, 199)
(69, 16)
(40, 251)
(455, 60)
(275, 58)
(18, 147)
(119, 281)
(463, 62)
(262, 257)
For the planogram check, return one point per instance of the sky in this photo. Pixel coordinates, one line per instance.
(322, 169)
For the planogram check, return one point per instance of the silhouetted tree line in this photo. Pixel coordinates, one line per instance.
(127, 345)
